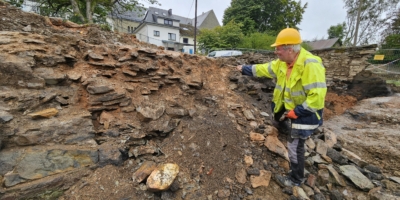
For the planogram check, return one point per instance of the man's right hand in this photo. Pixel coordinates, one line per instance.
(239, 68)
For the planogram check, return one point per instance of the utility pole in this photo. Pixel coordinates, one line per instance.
(195, 26)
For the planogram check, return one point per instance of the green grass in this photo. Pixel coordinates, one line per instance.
(394, 82)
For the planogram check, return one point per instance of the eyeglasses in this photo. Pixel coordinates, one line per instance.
(281, 48)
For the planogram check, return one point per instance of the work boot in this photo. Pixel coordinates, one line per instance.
(285, 181)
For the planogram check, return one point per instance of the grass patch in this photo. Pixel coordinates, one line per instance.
(393, 82)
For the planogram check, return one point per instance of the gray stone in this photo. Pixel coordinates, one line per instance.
(12, 179)
(336, 195)
(371, 175)
(321, 147)
(395, 179)
(310, 143)
(317, 159)
(373, 168)
(176, 112)
(105, 97)
(383, 196)
(323, 177)
(353, 157)
(17, 71)
(253, 171)
(319, 196)
(163, 125)
(8, 160)
(5, 116)
(330, 138)
(174, 186)
(99, 89)
(148, 113)
(338, 178)
(336, 157)
(109, 154)
(36, 163)
(356, 177)
(264, 114)
(168, 195)
(27, 28)
(249, 115)
(73, 131)
(49, 75)
(95, 56)
(248, 190)
(309, 191)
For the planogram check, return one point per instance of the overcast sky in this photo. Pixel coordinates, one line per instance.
(318, 17)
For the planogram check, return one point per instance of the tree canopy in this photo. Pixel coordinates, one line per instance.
(265, 15)
(228, 36)
(337, 32)
(84, 11)
(392, 32)
(366, 19)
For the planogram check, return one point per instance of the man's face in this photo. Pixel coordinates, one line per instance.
(284, 53)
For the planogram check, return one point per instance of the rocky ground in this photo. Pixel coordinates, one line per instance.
(89, 114)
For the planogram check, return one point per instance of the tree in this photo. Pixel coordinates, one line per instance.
(258, 41)
(391, 34)
(84, 11)
(264, 15)
(337, 32)
(228, 36)
(366, 20)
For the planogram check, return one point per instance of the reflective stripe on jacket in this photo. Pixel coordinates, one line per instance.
(304, 91)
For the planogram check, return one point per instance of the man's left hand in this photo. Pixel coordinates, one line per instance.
(291, 115)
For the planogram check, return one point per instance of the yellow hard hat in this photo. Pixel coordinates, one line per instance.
(287, 36)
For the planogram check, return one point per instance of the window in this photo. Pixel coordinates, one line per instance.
(168, 22)
(129, 29)
(157, 33)
(171, 36)
(185, 40)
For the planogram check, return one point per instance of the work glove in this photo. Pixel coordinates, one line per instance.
(291, 115)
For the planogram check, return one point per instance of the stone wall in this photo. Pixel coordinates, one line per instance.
(345, 69)
(343, 64)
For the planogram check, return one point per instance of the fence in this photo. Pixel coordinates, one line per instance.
(386, 64)
(207, 51)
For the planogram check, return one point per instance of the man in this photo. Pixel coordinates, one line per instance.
(298, 98)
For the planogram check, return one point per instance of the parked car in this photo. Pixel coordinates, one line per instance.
(224, 53)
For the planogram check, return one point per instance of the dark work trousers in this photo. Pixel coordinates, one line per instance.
(296, 157)
(295, 147)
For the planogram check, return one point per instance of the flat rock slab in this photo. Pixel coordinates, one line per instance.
(395, 179)
(44, 113)
(262, 180)
(144, 171)
(275, 145)
(356, 177)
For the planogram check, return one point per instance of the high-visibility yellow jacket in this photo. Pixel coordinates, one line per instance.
(304, 91)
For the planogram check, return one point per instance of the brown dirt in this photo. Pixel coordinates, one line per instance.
(209, 148)
(337, 105)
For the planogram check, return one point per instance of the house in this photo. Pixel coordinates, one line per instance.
(126, 21)
(324, 44)
(30, 6)
(207, 20)
(163, 28)
(159, 27)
